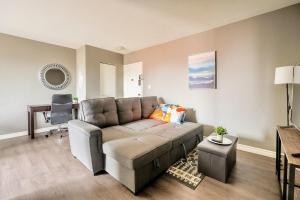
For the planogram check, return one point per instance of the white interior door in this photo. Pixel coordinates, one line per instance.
(107, 80)
(133, 80)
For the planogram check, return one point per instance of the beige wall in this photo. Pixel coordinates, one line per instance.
(95, 56)
(21, 59)
(245, 101)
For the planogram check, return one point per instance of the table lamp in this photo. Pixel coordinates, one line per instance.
(287, 75)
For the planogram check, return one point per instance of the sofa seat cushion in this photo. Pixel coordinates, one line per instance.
(128, 130)
(117, 132)
(142, 125)
(177, 133)
(135, 152)
(129, 109)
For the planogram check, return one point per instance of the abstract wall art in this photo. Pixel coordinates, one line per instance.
(202, 70)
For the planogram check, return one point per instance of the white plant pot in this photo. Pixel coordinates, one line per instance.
(220, 138)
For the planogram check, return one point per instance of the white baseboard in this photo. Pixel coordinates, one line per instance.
(23, 133)
(256, 150)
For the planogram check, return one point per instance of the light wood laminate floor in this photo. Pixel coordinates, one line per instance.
(43, 169)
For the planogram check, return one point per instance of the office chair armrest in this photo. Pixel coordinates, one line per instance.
(46, 116)
(86, 144)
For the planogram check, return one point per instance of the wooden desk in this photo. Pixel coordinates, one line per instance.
(31, 109)
(289, 139)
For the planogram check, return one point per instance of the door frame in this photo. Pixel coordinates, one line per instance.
(140, 65)
(116, 69)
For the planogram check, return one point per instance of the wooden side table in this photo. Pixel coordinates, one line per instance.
(289, 139)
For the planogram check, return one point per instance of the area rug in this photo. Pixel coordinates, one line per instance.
(185, 171)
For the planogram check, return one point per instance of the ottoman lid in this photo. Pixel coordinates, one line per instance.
(220, 150)
(135, 152)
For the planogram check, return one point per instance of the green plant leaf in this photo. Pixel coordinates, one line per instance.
(220, 130)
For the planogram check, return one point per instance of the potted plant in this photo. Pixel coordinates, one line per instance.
(75, 99)
(220, 131)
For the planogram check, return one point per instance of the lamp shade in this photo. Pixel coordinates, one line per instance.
(284, 75)
(297, 75)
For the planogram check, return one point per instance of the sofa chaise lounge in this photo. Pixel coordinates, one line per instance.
(116, 135)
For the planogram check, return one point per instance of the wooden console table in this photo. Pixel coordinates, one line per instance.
(289, 139)
(32, 109)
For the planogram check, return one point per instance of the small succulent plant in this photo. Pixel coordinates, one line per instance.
(221, 130)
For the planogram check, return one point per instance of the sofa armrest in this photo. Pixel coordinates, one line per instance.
(86, 144)
(84, 127)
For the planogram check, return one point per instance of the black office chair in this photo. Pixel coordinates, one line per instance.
(61, 111)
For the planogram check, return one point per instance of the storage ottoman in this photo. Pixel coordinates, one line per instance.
(217, 161)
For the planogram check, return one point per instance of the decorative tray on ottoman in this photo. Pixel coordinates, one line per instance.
(213, 139)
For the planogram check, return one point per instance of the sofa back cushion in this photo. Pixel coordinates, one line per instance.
(148, 106)
(100, 112)
(129, 109)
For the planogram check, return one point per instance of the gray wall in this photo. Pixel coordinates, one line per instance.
(95, 56)
(246, 100)
(21, 59)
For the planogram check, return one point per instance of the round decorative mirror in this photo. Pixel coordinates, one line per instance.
(55, 76)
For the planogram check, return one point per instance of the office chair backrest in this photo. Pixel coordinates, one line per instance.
(61, 108)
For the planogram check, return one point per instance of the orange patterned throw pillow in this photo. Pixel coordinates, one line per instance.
(169, 113)
(157, 114)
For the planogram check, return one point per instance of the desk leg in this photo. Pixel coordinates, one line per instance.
(76, 113)
(291, 182)
(277, 153)
(28, 121)
(32, 125)
(278, 156)
(284, 178)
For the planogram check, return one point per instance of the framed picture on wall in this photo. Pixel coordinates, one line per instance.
(202, 70)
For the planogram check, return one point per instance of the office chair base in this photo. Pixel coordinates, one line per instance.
(55, 131)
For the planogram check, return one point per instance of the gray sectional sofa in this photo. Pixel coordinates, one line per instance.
(116, 135)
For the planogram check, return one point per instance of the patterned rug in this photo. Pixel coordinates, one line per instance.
(186, 172)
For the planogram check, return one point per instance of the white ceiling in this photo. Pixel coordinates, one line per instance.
(134, 24)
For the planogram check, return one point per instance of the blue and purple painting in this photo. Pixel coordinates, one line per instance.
(202, 70)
